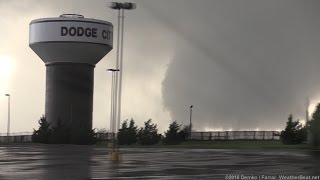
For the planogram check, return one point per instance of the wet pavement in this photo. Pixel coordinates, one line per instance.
(34, 161)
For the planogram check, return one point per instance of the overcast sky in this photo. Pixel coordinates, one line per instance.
(242, 64)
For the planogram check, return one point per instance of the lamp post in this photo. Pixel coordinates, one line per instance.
(113, 108)
(190, 126)
(8, 126)
(119, 59)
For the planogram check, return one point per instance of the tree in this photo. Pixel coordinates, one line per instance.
(123, 133)
(175, 134)
(42, 135)
(314, 127)
(127, 134)
(132, 132)
(185, 132)
(294, 133)
(172, 135)
(149, 134)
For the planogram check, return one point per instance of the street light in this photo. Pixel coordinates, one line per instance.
(119, 59)
(127, 5)
(113, 105)
(190, 126)
(8, 127)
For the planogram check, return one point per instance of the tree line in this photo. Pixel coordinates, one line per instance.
(129, 133)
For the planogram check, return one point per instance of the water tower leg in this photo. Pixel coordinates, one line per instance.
(69, 98)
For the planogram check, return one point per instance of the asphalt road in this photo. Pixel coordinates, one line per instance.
(33, 161)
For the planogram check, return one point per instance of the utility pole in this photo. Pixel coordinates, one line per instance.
(120, 7)
(190, 126)
(8, 125)
(307, 120)
(307, 111)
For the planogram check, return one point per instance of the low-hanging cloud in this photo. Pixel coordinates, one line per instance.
(242, 64)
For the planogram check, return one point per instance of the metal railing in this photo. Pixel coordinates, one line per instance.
(21, 137)
(17, 134)
(26, 137)
(235, 135)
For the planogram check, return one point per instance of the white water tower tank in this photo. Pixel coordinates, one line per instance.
(70, 46)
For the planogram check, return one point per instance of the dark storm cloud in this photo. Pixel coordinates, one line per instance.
(242, 64)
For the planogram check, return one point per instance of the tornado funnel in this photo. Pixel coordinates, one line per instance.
(70, 46)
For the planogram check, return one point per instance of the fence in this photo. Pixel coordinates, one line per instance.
(235, 135)
(105, 136)
(26, 137)
(16, 139)
(219, 135)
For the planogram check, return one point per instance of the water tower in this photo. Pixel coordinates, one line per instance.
(70, 46)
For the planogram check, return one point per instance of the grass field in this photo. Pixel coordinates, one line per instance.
(242, 145)
(227, 145)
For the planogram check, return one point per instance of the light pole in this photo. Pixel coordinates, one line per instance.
(190, 126)
(113, 108)
(8, 127)
(119, 59)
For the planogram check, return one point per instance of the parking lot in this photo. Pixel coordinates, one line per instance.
(34, 161)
